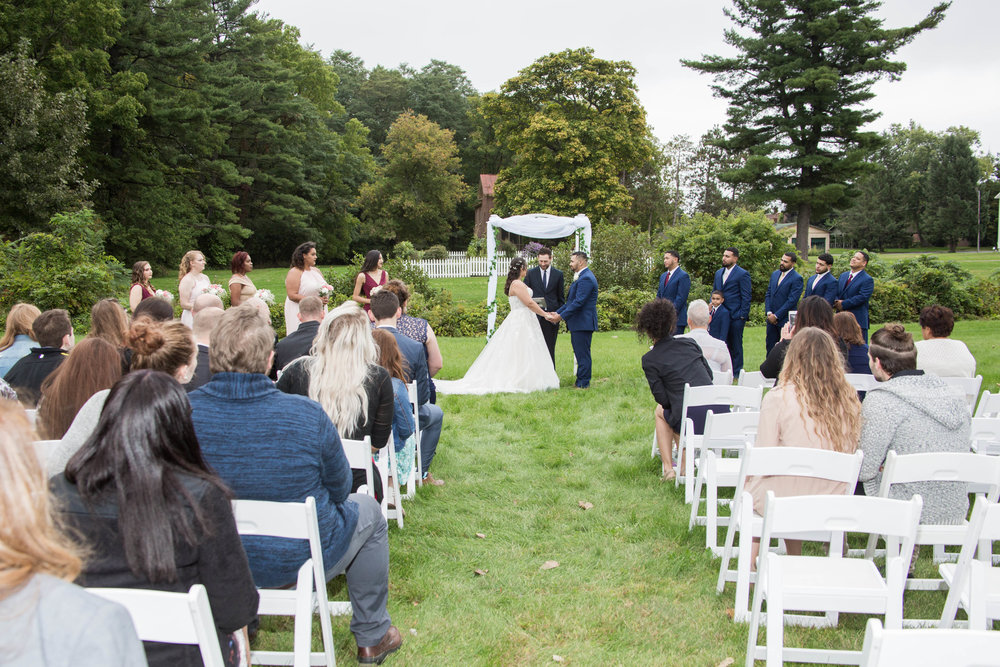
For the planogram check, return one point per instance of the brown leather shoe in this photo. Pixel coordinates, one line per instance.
(374, 655)
(430, 479)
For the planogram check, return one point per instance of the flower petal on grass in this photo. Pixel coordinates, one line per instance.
(585, 505)
(549, 564)
(480, 573)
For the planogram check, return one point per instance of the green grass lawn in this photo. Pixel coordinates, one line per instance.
(632, 586)
(272, 279)
(978, 264)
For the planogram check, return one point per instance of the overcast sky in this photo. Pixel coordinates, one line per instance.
(953, 74)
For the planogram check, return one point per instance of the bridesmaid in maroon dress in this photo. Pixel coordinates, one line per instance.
(372, 275)
(141, 289)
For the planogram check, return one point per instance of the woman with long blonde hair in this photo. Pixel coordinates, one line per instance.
(342, 374)
(812, 405)
(192, 282)
(18, 336)
(44, 619)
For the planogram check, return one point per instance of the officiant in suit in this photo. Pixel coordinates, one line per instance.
(546, 281)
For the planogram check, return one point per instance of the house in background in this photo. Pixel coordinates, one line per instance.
(485, 207)
(819, 238)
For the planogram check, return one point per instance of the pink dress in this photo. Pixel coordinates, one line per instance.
(370, 284)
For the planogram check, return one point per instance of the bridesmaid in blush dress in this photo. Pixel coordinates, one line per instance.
(372, 275)
(303, 280)
(193, 281)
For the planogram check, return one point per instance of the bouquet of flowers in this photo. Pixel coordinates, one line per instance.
(266, 295)
(216, 289)
(375, 290)
(325, 291)
(164, 294)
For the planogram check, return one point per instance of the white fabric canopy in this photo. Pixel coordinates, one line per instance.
(536, 226)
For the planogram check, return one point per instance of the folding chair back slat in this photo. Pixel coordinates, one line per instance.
(916, 648)
(359, 457)
(978, 599)
(861, 381)
(968, 386)
(985, 435)
(754, 379)
(989, 405)
(411, 390)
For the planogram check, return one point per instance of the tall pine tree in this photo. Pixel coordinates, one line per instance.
(951, 193)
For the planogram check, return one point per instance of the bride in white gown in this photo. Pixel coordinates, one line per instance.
(516, 358)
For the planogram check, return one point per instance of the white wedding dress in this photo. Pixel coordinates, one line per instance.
(515, 359)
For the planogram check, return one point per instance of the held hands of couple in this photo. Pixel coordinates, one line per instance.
(553, 317)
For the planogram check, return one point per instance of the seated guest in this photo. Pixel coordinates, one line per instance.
(418, 329)
(939, 354)
(714, 350)
(912, 413)
(159, 346)
(849, 334)
(156, 309)
(206, 300)
(204, 321)
(812, 405)
(6, 392)
(94, 365)
(268, 445)
(18, 338)
(44, 619)
(54, 333)
(403, 429)
(386, 310)
(814, 311)
(109, 321)
(154, 515)
(344, 377)
(718, 317)
(299, 342)
(672, 363)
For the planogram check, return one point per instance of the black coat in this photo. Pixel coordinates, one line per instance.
(668, 366)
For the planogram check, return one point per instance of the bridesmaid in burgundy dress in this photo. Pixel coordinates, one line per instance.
(141, 289)
(372, 275)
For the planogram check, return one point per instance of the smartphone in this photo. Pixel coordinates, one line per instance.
(791, 318)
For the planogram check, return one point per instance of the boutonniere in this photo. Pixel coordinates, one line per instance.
(576, 276)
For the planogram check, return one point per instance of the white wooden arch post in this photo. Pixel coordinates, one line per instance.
(536, 226)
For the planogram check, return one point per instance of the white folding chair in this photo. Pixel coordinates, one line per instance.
(861, 381)
(746, 399)
(296, 521)
(722, 378)
(44, 449)
(385, 464)
(829, 584)
(928, 648)
(985, 435)
(359, 457)
(968, 386)
(971, 469)
(754, 379)
(411, 390)
(989, 405)
(764, 461)
(973, 582)
(727, 432)
(32, 416)
(170, 618)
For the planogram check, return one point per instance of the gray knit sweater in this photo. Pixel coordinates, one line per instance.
(915, 413)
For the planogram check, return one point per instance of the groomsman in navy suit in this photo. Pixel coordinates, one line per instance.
(674, 286)
(824, 283)
(734, 283)
(783, 292)
(854, 289)
(546, 281)
(580, 313)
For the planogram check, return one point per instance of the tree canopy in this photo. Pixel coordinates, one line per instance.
(796, 93)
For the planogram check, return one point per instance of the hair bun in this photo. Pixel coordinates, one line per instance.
(145, 337)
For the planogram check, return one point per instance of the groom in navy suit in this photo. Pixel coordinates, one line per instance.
(854, 289)
(824, 283)
(674, 286)
(546, 281)
(734, 283)
(580, 313)
(783, 292)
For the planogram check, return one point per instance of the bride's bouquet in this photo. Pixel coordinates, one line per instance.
(216, 289)
(164, 294)
(375, 290)
(325, 291)
(266, 295)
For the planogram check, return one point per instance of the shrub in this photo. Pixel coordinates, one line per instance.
(476, 248)
(891, 302)
(62, 268)
(619, 260)
(506, 247)
(617, 306)
(405, 250)
(436, 252)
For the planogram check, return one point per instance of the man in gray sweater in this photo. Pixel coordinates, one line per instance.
(912, 412)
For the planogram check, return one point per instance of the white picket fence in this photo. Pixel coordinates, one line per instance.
(459, 266)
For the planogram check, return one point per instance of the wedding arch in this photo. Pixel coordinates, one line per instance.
(536, 226)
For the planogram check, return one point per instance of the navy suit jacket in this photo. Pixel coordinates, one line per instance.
(580, 311)
(736, 292)
(676, 291)
(555, 294)
(784, 297)
(854, 298)
(827, 287)
(718, 327)
(416, 363)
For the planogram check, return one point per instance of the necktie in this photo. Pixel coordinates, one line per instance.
(667, 279)
(545, 278)
(782, 277)
(849, 279)
(711, 313)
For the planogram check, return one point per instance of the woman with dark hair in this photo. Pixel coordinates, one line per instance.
(45, 619)
(93, 365)
(157, 310)
(141, 288)
(241, 287)
(154, 515)
(516, 358)
(18, 337)
(109, 321)
(849, 335)
(303, 280)
(939, 354)
(371, 277)
(403, 428)
(670, 364)
(814, 311)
